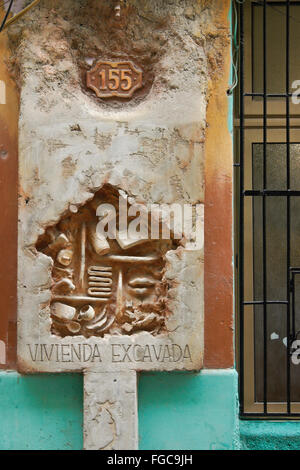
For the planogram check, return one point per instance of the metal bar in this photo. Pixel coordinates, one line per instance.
(265, 326)
(271, 415)
(288, 250)
(291, 272)
(268, 302)
(241, 209)
(2, 26)
(275, 3)
(269, 95)
(18, 15)
(268, 192)
(292, 288)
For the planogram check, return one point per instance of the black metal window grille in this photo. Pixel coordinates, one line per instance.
(264, 196)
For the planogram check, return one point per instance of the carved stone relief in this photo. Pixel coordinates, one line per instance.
(102, 285)
(85, 301)
(113, 103)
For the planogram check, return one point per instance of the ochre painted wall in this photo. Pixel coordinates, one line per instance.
(218, 324)
(8, 197)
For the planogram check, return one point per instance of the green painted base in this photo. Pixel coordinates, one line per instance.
(266, 435)
(40, 412)
(176, 411)
(188, 411)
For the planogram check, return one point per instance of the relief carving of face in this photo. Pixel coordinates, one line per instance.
(104, 286)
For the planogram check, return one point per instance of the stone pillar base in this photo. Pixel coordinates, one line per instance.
(110, 410)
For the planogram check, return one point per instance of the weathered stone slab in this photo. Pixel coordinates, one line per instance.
(85, 301)
(110, 410)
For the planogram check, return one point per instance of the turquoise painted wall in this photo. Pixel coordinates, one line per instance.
(267, 435)
(188, 411)
(176, 411)
(40, 412)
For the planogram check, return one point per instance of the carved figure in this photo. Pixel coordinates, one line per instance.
(100, 285)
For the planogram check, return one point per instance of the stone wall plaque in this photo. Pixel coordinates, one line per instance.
(87, 303)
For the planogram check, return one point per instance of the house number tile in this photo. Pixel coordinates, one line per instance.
(114, 79)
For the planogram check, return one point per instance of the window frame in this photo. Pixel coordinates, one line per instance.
(253, 122)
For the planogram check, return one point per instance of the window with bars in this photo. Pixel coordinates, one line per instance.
(267, 124)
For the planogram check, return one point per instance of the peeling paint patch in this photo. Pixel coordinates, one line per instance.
(274, 336)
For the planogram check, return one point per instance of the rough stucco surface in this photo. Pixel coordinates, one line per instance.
(267, 435)
(152, 148)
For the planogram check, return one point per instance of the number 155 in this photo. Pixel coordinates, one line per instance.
(113, 79)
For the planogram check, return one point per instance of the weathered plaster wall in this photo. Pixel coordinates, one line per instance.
(199, 395)
(218, 210)
(268, 435)
(151, 148)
